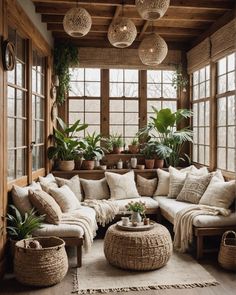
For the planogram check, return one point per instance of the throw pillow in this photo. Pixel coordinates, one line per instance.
(122, 186)
(200, 172)
(47, 179)
(20, 196)
(177, 179)
(48, 182)
(73, 184)
(163, 183)
(194, 187)
(45, 204)
(95, 189)
(65, 198)
(219, 194)
(146, 187)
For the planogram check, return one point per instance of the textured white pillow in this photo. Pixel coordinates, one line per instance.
(20, 196)
(163, 183)
(48, 182)
(219, 193)
(73, 184)
(199, 172)
(122, 186)
(65, 198)
(47, 179)
(95, 189)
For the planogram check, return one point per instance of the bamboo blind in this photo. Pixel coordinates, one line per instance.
(199, 55)
(223, 40)
(106, 58)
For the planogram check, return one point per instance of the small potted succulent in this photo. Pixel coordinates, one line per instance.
(114, 143)
(149, 154)
(134, 146)
(137, 209)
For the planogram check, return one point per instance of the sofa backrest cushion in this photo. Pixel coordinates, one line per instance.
(146, 187)
(73, 184)
(95, 189)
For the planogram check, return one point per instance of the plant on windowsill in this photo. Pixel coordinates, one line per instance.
(21, 227)
(91, 149)
(65, 56)
(66, 144)
(134, 146)
(114, 143)
(148, 151)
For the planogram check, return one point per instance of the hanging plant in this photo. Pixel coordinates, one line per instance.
(178, 80)
(65, 56)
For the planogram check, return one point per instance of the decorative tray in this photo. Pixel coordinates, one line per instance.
(139, 227)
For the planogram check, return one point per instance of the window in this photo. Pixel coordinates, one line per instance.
(124, 103)
(160, 92)
(38, 107)
(226, 113)
(85, 98)
(16, 98)
(201, 115)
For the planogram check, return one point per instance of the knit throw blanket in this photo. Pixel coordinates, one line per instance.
(86, 223)
(105, 210)
(183, 223)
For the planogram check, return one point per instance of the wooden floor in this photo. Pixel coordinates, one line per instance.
(227, 280)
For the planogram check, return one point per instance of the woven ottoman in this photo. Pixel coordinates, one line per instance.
(138, 250)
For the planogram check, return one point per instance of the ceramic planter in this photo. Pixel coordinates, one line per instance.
(88, 164)
(134, 149)
(66, 165)
(159, 163)
(149, 163)
(116, 150)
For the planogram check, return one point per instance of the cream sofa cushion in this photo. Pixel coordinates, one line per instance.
(45, 204)
(194, 188)
(73, 184)
(219, 194)
(163, 183)
(48, 182)
(149, 202)
(47, 179)
(65, 198)
(177, 179)
(95, 189)
(20, 196)
(122, 186)
(146, 187)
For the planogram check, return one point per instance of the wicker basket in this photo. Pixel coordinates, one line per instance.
(41, 267)
(227, 254)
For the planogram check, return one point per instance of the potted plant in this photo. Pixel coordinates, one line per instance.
(66, 144)
(21, 227)
(136, 208)
(165, 123)
(114, 143)
(162, 152)
(148, 152)
(134, 146)
(91, 149)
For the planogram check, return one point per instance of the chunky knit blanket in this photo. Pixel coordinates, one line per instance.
(183, 223)
(89, 227)
(106, 210)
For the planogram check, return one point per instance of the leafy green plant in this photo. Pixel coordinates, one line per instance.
(21, 227)
(91, 148)
(148, 150)
(136, 207)
(134, 141)
(66, 143)
(178, 80)
(164, 123)
(114, 141)
(65, 56)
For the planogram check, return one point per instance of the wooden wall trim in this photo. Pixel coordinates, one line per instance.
(20, 20)
(105, 118)
(142, 99)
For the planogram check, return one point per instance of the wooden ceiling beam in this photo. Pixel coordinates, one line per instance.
(205, 4)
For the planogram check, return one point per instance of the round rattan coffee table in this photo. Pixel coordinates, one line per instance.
(138, 250)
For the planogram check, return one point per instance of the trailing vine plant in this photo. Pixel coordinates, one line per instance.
(178, 80)
(65, 56)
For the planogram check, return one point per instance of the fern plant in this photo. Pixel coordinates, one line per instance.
(21, 227)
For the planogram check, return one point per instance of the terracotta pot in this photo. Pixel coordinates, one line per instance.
(134, 149)
(117, 150)
(149, 163)
(159, 163)
(88, 164)
(66, 165)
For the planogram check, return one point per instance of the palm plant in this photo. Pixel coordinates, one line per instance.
(172, 141)
(21, 227)
(91, 148)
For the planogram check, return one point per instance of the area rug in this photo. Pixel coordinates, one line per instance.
(97, 276)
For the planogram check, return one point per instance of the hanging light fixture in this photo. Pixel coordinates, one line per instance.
(152, 50)
(152, 9)
(122, 31)
(77, 22)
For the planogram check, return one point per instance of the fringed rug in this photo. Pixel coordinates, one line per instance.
(98, 276)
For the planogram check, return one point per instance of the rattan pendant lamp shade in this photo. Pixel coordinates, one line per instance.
(152, 9)
(152, 50)
(77, 22)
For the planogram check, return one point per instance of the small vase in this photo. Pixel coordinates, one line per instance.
(136, 217)
(133, 162)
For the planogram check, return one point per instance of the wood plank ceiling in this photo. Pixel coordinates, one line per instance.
(184, 21)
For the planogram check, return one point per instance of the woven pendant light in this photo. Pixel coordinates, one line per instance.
(152, 50)
(77, 22)
(122, 32)
(152, 9)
